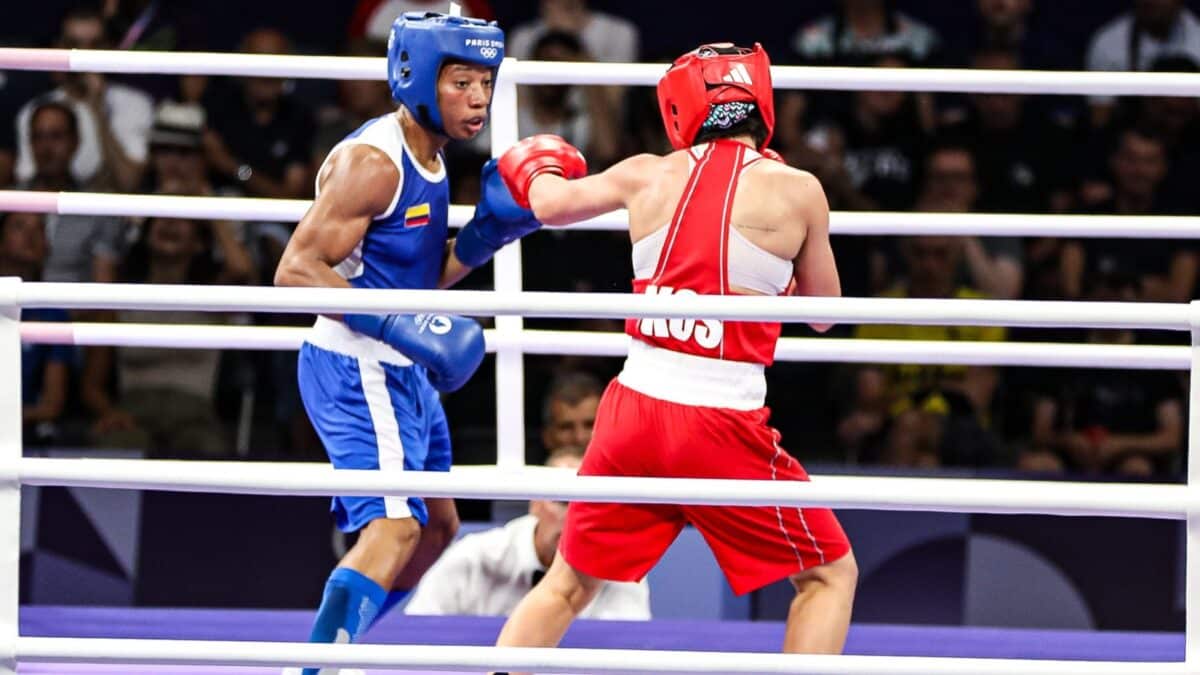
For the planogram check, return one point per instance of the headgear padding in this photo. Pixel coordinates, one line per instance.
(420, 43)
(711, 74)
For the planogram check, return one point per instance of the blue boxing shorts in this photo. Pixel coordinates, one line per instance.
(372, 414)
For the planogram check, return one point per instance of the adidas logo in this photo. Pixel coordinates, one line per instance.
(738, 74)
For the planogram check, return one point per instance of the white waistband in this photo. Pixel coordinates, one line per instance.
(338, 337)
(693, 380)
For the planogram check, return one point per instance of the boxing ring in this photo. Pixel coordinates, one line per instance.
(90, 640)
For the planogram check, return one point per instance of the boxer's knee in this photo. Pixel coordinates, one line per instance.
(840, 576)
(573, 587)
(391, 537)
(443, 523)
(1042, 461)
(383, 549)
(1135, 465)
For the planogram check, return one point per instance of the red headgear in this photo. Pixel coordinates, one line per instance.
(714, 73)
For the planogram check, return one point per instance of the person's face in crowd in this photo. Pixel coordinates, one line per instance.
(570, 425)
(550, 514)
(464, 92)
(932, 265)
(950, 183)
(1004, 14)
(565, 15)
(855, 7)
(1111, 285)
(82, 33)
(998, 112)
(1157, 15)
(1170, 114)
(553, 96)
(1139, 165)
(883, 104)
(23, 241)
(173, 239)
(365, 99)
(53, 142)
(180, 166)
(264, 91)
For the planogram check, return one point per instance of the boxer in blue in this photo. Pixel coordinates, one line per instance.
(370, 383)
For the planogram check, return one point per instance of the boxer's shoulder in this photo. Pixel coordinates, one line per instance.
(640, 171)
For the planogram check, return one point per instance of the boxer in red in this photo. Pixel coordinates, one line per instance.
(716, 217)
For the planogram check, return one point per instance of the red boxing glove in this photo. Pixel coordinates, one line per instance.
(533, 156)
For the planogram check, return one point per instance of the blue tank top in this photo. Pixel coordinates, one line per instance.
(403, 247)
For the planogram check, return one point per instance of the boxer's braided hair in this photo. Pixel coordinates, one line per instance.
(736, 118)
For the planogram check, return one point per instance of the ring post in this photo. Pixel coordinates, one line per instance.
(1192, 557)
(10, 485)
(510, 366)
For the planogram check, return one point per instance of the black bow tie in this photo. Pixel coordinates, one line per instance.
(536, 577)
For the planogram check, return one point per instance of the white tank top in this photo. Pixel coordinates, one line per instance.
(750, 266)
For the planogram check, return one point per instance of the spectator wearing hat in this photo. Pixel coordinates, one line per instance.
(177, 159)
(177, 149)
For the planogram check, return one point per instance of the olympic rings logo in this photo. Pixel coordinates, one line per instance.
(488, 52)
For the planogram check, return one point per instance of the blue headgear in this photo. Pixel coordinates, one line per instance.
(418, 46)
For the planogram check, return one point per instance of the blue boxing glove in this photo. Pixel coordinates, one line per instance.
(450, 347)
(498, 221)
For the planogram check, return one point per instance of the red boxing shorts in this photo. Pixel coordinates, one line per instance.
(637, 435)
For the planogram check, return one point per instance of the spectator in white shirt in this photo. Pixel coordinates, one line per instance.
(604, 36)
(859, 32)
(555, 108)
(487, 573)
(114, 119)
(82, 248)
(1134, 40)
(372, 19)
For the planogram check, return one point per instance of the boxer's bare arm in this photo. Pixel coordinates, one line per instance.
(453, 270)
(814, 268)
(357, 183)
(558, 201)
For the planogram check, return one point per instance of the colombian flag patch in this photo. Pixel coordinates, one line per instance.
(417, 216)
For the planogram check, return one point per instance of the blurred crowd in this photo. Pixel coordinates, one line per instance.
(889, 151)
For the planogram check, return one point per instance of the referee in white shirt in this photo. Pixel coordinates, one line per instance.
(487, 573)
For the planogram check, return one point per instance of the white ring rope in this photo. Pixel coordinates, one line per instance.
(1032, 313)
(645, 74)
(586, 343)
(562, 660)
(941, 494)
(841, 222)
(954, 495)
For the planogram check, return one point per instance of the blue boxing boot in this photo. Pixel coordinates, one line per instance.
(348, 608)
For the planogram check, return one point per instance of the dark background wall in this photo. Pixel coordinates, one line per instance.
(668, 27)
